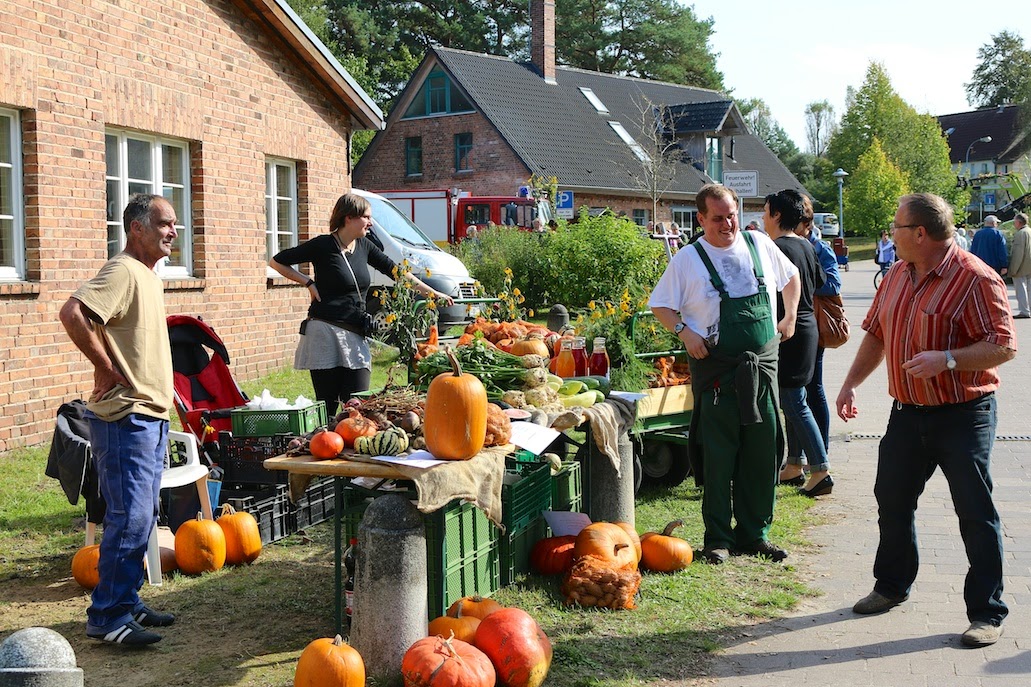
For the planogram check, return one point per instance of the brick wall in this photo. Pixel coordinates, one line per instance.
(196, 70)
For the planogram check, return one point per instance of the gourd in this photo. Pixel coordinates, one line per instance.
(325, 445)
(330, 662)
(243, 538)
(440, 662)
(389, 442)
(460, 626)
(476, 606)
(200, 546)
(665, 553)
(455, 423)
(553, 555)
(517, 646)
(533, 344)
(354, 426)
(609, 543)
(85, 564)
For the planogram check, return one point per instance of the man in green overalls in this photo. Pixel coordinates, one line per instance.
(719, 298)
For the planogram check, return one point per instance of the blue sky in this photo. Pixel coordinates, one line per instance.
(792, 52)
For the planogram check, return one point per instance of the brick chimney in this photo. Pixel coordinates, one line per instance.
(542, 37)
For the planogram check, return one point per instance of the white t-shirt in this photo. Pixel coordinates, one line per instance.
(685, 285)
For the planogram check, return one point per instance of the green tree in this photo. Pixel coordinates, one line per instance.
(913, 142)
(1003, 72)
(651, 39)
(873, 192)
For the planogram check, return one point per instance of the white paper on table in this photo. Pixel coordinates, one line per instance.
(566, 523)
(627, 395)
(532, 437)
(416, 459)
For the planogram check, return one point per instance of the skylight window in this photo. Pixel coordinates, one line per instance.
(594, 100)
(629, 140)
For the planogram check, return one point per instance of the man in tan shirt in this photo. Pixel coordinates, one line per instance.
(117, 320)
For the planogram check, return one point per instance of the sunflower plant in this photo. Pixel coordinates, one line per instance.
(407, 315)
(511, 299)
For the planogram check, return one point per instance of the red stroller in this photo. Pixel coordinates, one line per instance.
(205, 391)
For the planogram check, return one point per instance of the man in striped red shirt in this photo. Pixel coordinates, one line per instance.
(941, 320)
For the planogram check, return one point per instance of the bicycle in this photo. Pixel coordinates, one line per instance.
(879, 275)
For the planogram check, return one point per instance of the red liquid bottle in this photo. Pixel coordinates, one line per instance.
(599, 359)
(580, 356)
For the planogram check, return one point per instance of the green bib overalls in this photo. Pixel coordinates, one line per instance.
(740, 460)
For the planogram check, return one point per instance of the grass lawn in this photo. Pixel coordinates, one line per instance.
(247, 626)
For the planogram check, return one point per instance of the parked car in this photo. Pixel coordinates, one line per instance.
(403, 240)
(827, 223)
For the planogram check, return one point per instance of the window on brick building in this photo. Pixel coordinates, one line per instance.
(413, 156)
(280, 207)
(437, 95)
(463, 147)
(138, 163)
(641, 217)
(12, 219)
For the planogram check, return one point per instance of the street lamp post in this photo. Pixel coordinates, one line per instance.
(840, 175)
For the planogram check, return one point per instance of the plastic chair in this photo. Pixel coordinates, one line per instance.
(192, 471)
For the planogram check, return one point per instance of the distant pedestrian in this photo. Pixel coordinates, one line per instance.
(942, 323)
(1020, 265)
(884, 254)
(990, 245)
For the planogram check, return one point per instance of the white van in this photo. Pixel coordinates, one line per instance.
(403, 240)
(827, 223)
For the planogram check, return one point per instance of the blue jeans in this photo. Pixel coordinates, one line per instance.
(958, 438)
(803, 434)
(816, 397)
(129, 455)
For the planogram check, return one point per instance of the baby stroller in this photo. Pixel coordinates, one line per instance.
(205, 391)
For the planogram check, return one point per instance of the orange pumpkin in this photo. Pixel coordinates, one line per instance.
(459, 626)
(474, 606)
(631, 534)
(84, 566)
(455, 422)
(517, 646)
(533, 344)
(553, 556)
(168, 563)
(354, 426)
(330, 662)
(200, 546)
(439, 662)
(243, 538)
(608, 542)
(664, 552)
(326, 445)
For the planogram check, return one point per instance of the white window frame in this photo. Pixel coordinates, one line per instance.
(273, 194)
(184, 226)
(16, 270)
(593, 98)
(625, 136)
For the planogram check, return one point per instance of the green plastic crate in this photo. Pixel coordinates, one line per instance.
(525, 494)
(566, 488)
(266, 423)
(461, 550)
(515, 549)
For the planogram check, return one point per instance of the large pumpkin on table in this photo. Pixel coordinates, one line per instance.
(85, 564)
(330, 662)
(517, 646)
(243, 538)
(439, 662)
(200, 546)
(455, 422)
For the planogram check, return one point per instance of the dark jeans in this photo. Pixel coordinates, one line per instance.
(817, 399)
(336, 385)
(958, 438)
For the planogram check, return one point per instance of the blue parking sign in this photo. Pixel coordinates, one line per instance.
(564, 205)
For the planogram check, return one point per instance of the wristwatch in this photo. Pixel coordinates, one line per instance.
(950, 362)
(679, 327)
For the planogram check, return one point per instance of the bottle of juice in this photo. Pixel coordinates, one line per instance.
(580, 356)
(566, 365)
(599, 359)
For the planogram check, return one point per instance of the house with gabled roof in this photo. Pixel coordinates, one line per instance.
(484, 124)
(232, 109)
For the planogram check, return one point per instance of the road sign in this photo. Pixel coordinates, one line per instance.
(988, 199)
(745, 184)
(564, 205)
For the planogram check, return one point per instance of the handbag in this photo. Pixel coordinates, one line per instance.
(831, 321)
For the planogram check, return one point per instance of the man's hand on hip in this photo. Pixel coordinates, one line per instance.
(694, 344)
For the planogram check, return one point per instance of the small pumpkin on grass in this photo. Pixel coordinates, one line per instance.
(553, 555)
(452, 662)
(330, 662)
(476, 606)
(200, 546)
(459, 626)
(243, 538)
(455, 423)
(85, 564)
(517, 646)
(664, 552)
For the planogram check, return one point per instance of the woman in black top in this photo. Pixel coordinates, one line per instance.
(333, 347)
(784, 211)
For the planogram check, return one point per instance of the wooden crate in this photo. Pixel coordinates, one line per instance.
(670, 400)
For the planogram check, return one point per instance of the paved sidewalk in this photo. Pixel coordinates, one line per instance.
(823, 642)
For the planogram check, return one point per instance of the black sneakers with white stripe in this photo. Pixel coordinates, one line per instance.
(148, 617)
(130, 634)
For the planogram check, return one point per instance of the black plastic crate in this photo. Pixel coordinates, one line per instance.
(242, 459)
(270, 507)
(315, 505)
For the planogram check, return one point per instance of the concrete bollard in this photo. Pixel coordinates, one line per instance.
(612, 497)
(38, 657)
(390, 607)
